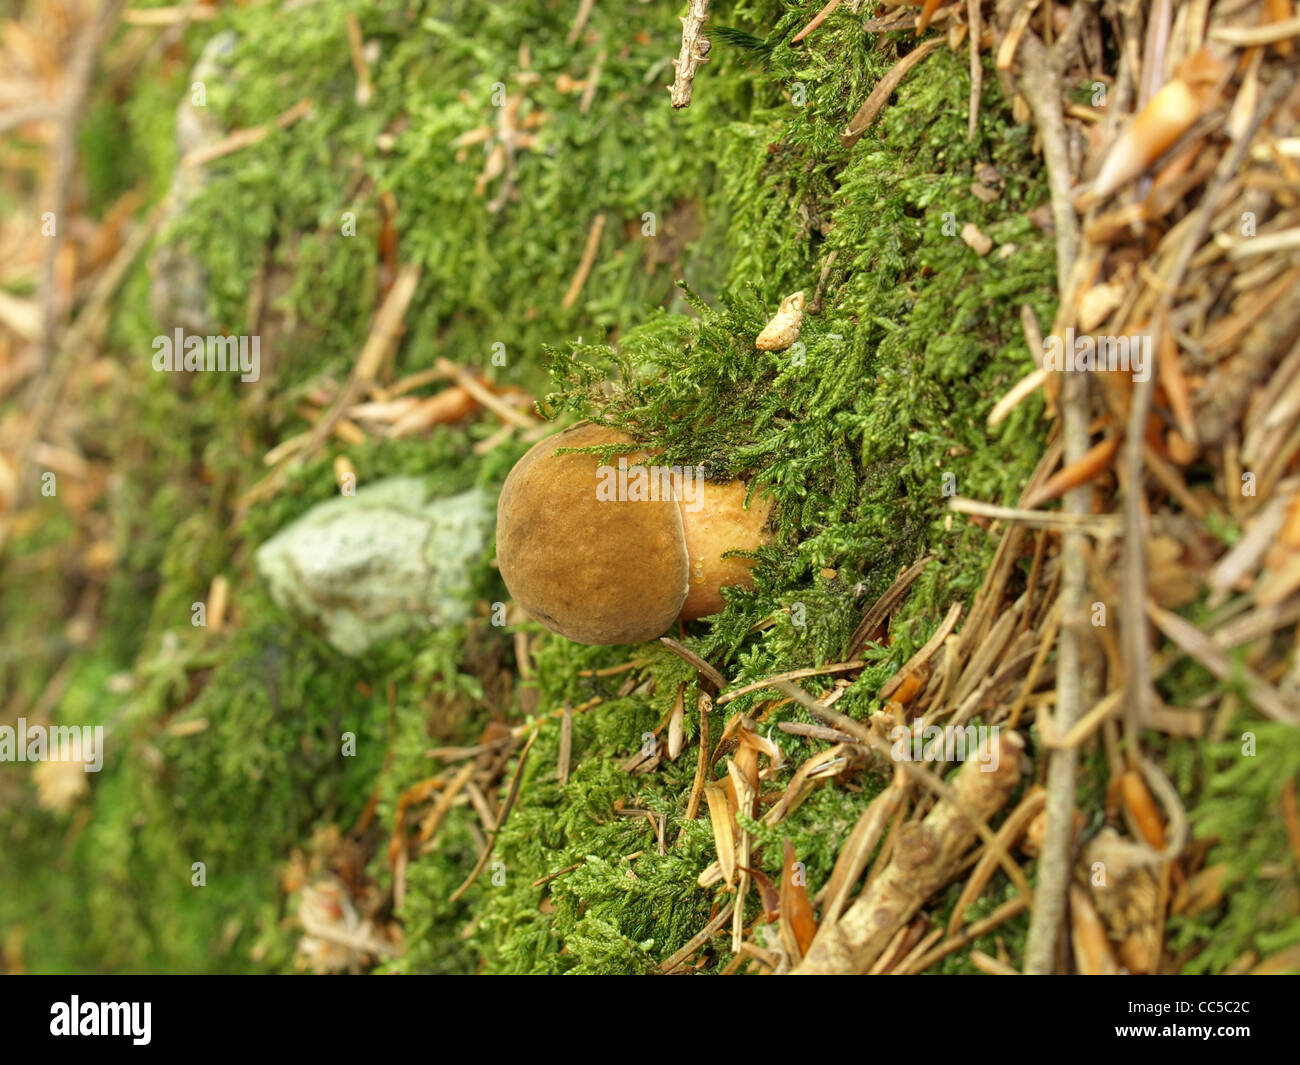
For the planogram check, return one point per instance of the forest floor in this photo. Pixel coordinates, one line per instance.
(438, 227)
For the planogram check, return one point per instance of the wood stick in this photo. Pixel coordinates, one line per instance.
(927, 855)
(693, 54)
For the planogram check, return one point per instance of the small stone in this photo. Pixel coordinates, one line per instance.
(975, 239)
(380, 563)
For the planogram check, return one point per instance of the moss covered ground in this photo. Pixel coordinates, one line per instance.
(225, 747)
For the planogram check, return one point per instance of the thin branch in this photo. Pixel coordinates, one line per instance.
(694, 53)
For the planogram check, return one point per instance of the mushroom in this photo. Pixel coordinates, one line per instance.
(613, 552)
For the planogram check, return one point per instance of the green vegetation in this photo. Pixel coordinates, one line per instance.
(225, 748)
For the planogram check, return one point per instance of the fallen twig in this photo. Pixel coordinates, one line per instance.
(925, 857)
(694, 53)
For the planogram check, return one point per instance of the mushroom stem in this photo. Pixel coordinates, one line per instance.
(720, 524)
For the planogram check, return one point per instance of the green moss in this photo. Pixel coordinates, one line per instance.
(1241, 814)
(754, 197)
(853, 444)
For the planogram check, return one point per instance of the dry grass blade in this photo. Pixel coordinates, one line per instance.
(745, 796)
(724, 838)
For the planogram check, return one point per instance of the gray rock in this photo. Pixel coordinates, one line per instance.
(383, 562)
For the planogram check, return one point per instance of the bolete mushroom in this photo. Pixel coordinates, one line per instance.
(614, 552)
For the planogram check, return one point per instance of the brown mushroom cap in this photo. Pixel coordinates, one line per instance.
(594, 571)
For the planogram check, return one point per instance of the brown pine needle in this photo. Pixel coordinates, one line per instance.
(880, 95)
(976, 63)
(703, 667)
(927, 652)
(794, 674)
(506, 807)
(566, 746)
(588, 261)
(881, 609)
(244, 138)
(1089, 467)
(699, 939)
(817, 20)
(702, 765)
(1291, 817)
